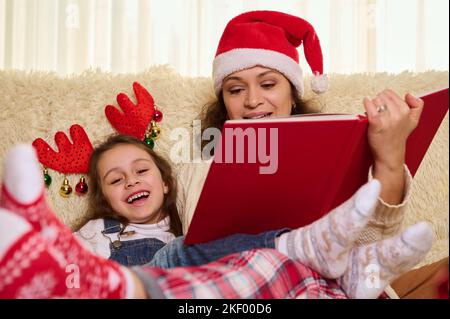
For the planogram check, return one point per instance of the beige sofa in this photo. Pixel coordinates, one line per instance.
(39, 104)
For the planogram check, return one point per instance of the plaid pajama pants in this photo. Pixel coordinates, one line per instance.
(258, 273)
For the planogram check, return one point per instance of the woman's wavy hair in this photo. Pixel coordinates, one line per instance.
(101, 208)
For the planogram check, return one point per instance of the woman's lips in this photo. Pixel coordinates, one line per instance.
(256, 116)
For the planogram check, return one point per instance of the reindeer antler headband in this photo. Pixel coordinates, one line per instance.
(72, 158)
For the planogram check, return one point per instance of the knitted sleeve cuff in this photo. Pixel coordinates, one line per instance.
(390, 215)
(387, 219)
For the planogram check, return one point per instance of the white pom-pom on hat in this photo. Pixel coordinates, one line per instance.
(319, 83)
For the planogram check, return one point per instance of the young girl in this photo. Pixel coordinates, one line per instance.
(124, 227)
(133, 191)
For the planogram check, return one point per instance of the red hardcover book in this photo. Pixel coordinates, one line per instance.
(288, 172)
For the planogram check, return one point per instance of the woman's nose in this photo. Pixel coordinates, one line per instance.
(253, 98)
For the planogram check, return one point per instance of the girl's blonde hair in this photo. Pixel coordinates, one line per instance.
(101, 207)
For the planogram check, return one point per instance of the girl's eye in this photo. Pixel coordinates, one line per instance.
(141, 171)
(116, 181)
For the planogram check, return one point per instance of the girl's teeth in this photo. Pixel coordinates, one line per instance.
(137, 196)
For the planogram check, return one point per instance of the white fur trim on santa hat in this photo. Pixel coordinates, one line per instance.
(241, 59)
(319, 83)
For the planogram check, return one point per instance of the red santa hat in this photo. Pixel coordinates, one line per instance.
(269, 39)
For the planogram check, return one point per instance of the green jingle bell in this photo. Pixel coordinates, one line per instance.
(150, 143)
(47, 178)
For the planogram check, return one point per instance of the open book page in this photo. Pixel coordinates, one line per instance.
(302, 117)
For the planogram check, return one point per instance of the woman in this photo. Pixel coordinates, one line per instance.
(256, 75)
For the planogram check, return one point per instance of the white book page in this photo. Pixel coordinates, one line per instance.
(300, 118)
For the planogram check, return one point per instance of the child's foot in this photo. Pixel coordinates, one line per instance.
(23, 188)
(371, 268)
(31, 268)
(325, 244)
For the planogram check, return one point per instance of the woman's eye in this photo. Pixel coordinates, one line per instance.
(235, 91)
(268, 85)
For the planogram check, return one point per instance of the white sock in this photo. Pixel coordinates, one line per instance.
(371, 268)
(325, 244)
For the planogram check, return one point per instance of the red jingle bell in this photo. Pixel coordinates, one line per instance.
(157, 116)
(81, 188)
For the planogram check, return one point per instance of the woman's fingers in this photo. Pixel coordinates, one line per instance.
(395, 105)
(371, 109)
(396, 110)
(416, 107)
(372, 112)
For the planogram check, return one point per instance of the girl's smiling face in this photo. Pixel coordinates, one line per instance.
(132, 183)
(257, 93)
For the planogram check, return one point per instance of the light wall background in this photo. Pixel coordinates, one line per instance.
(123, 36)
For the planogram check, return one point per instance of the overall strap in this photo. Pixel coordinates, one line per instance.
(111, 226)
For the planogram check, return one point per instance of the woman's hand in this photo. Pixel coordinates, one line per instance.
(387, 133)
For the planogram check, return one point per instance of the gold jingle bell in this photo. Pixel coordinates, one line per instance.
(155, 132)
(65, 189)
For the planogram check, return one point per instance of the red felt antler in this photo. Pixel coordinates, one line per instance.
(134, 118)
(71, 158)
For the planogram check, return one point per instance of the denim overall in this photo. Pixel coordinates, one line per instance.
(130, 252)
